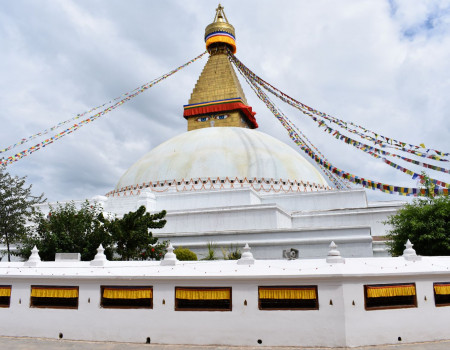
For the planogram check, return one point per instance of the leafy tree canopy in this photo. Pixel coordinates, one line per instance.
(17, 206)
(425, 222)
(132, 236)
(67, 229)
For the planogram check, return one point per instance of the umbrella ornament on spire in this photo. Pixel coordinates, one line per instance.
(220, 32)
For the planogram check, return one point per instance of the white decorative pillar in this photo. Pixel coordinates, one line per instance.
(409, 253)
(100, 257)
(246, 257)
(334, 255)
(170, 259)
(34, 258)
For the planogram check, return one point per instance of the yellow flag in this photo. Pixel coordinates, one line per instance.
(422, 145)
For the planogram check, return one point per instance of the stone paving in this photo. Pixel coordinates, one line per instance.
(12, 343)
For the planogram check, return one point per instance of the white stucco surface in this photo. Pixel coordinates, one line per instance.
(340, 321)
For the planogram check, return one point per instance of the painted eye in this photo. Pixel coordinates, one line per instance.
(203, 119)
(220, 117)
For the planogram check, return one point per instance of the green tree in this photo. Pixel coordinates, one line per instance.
(131, 233)
(155, 251)
(67, 229)
(425, 222)
(17, 206)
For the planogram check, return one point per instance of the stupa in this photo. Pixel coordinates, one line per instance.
(224, 182)
(221, 146)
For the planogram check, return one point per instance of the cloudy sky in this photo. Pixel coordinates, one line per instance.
(381, 64)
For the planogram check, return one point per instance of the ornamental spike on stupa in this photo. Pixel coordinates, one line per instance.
(218, 99)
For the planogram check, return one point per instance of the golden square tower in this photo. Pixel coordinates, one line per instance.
(218, 99)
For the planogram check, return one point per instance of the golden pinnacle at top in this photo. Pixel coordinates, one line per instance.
(220, 31)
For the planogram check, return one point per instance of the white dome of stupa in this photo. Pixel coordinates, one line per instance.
(221, 155)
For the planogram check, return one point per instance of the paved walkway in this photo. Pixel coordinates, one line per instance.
(11, 343)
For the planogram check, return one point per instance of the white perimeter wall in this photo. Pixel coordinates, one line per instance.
(339, 324)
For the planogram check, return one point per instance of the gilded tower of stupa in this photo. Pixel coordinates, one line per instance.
(218, 99)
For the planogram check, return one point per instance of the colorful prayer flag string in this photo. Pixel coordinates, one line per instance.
(384, 142)
(76, 126)
(374, 185)
(335, 180)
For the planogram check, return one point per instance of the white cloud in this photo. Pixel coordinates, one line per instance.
(381, 64)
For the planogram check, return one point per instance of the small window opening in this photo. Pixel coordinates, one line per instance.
(441, 293)
(56, 297)
(288, 298)
(390, 296)
(5, 296)
(127, 297)
(203, 299)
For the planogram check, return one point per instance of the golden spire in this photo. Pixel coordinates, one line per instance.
(218, 99)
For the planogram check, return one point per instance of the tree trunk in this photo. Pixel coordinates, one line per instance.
(7, 247)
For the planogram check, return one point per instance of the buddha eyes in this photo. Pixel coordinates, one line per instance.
(218, 117)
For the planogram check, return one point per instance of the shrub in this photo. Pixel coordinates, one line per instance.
(211, 255)
(425, 222)
(233, 254)
(185, 254)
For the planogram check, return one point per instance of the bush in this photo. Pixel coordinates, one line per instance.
(425, 222)
(211, 255)
(233, 254)
(185, 254)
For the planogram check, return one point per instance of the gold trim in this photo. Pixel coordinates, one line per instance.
(203, 294)
(54, 292)
(125, 293)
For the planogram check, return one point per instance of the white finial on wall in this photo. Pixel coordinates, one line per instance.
(100, 257)
(169, 258)
(409, 253)
(334, 255)
(34, 258)
(246, 257)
